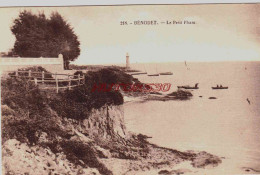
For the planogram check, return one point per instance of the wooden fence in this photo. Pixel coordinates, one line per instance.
(39, 78)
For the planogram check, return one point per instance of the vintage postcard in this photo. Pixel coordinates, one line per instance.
(130, 89)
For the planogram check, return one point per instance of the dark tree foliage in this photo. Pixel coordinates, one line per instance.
(38, 36)
(78, 102)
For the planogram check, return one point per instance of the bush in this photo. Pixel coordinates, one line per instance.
(31, 113)
(69, 106)
(76, 151)
(108, 76)
(77, 103)
(20, 94)
(78, 73)
(28, 129)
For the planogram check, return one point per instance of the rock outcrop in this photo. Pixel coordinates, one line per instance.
(106, 122)
(99, 144)
(19, 158)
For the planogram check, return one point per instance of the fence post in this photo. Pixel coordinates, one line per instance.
(55, 75)
(35, 81)
(16, 73)
(42, 77)
(30, 73)
(83, 78)
(78, 79)
(57, 84)
(69, 83)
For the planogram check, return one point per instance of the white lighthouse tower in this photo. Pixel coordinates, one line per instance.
(127, 61)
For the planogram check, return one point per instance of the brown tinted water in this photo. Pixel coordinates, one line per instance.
(227, 126)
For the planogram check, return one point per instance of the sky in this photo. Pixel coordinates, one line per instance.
(222, 32)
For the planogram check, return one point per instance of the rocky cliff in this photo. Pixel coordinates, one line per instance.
(97, 145)
(77, 132)
(106, 122)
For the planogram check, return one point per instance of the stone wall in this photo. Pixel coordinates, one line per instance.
(14, 63)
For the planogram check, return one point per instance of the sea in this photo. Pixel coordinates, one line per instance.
(228, 126)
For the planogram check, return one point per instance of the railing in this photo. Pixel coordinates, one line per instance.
(42, 80)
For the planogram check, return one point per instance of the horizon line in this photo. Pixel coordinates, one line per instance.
(86, 64)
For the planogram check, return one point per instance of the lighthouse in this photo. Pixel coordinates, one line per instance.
(127, 61)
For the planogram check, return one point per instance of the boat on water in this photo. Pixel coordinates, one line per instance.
(166, 73)
(219, 87)
(189, 87)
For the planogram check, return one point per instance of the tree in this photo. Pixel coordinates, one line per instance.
(38, 36)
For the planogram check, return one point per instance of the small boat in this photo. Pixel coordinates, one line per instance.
(153, 74)
(219, 87)
(189, 87)
(166, 73)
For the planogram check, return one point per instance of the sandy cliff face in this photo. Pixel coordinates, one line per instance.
(106, 122)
